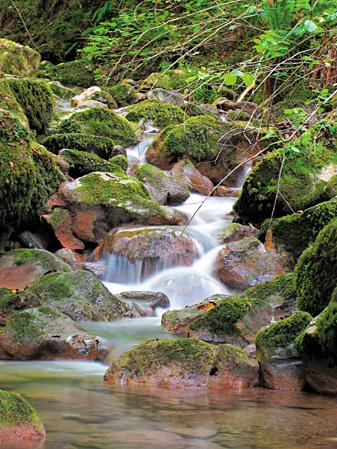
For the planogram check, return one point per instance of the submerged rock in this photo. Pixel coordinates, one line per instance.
(92, 205)
(19, 421)
(235, 319)
(45, 333)
(244, 263)
(184, 363)
(276, 352)
(164, 187)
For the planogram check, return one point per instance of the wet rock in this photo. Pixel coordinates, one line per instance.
(70, 257)
(235, 319)
(31, 240)
(154, 246)
(317, 347)
(223, 191)
(184, 363)
(84, 96)
(235, 232)
(245, 263)
(21, 267)
(80, 295)
(92, 205)
(45, 333)
(16, 59)
(152, 300)
(19, 422)
(164, 187)
(147, 439)
(193, 177)
(276, 352)
(166, 96)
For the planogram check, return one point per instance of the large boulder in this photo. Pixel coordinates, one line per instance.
(153, 247)
(245, 263)
(123, 93)
(235, 319)
(164, 187)
(277, 354)
(36, 99)
(216, 147)
(292, 234)
(318, 348)
(45, 333)
(316, 274)
(184, 363)
(160, 114)
(19, 422)
(86, 209)
(99, 124)
(304, 180)
(16, 59)
(80, 295)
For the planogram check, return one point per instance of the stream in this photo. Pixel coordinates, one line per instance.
(80, 412)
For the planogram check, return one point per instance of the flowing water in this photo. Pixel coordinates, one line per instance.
(80, 412)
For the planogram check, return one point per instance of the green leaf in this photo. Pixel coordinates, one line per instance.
(248, 79)
(229, 79)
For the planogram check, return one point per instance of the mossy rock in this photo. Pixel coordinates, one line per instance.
(99, 122)
(103, 147)
(292, 234)
(170, 79)
(19, 421)
(236, 319)
(278, 339)
(16, 59)
(123, 93)
(36, 99)
(46, 333)
(184, 363)
(80, 295)
(196, 109)
(120, 160)
(79, 73)
(301, 185)
(160, 114)
(81, 163)
(8, 102)
(316, 274)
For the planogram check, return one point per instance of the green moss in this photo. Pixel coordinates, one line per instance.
(222, 319)
(161, 114)
(316, 274)
(9, 103)
(16, 59)
(74, 73)
(99, 122)
(123, 93)
(195, 109)
(293, 233)
(81, 163)
(300, 187)
(170, 79)
(120, 160)
(16, 411)
(36, 99)
(281, 334)
(102, 146)
(44, 259)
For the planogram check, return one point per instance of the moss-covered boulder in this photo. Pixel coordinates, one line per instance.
(19, 421)
(36, 99)
(21, 267)
(94, 204)
(16, 59)
(45, 333)
(244, 263)
(164, 187)
(277, 354)
(103, 147)
(82, 163)
(9, 103)
(79, 73)
(184, 363)
(292, 234)
(80, 295)
(316, 274)
(303, 182)
(160, 114)
(123, 93)
(318, 348)
(217, 147)
(29, 173)
(235, 319)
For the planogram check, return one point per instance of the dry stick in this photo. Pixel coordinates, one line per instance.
(278, 187)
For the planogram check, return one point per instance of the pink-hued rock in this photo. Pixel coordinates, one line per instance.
(197, 182)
